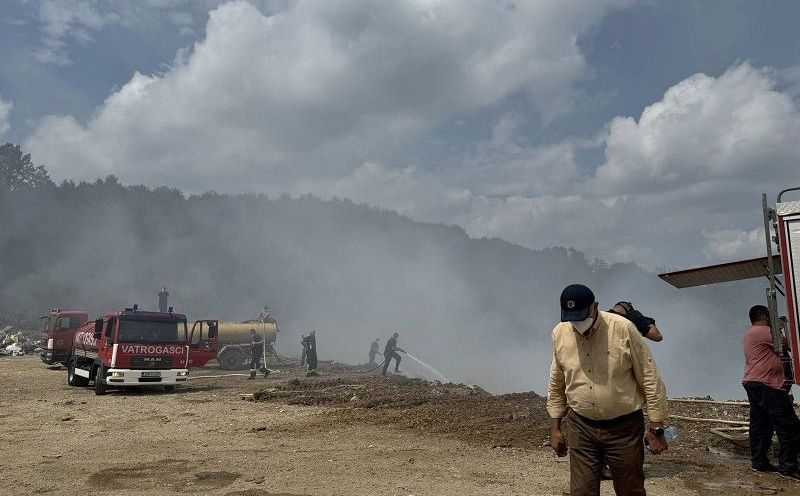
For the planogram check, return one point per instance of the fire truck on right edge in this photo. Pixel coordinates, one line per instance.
(782, 230)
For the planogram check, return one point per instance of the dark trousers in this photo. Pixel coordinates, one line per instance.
(771, 411)
(388, 358)
(255, 359)
(311, 359)
(618, 442)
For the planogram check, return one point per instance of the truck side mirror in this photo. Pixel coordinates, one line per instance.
(98, 328)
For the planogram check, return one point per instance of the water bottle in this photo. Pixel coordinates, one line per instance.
(670, 434)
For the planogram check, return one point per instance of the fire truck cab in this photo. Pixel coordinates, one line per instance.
(203, 343)
(130, 348)
(58, 331)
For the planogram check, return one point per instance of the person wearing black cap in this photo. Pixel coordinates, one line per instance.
(601, 378)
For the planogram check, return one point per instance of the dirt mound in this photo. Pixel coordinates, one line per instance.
(469, 413)
(458, 411)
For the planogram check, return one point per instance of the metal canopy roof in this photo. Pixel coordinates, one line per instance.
(727, 272)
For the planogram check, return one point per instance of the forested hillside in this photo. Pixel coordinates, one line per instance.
(480, 310)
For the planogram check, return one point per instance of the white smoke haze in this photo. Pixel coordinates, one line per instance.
(330, 99)
(5, 111)
(478, 310)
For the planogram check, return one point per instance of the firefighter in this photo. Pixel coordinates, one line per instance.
(309, 342)
(303, 353)
(163, 296)
(373, 350)
(389, 352)
(256, 354)
(265, 315)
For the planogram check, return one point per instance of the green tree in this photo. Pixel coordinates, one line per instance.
(18, 172)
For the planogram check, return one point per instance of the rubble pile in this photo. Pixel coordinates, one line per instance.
(458, 411)
(17, 343)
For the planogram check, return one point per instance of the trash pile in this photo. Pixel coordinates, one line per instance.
(17, 343)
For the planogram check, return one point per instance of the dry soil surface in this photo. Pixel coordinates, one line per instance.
(344, 433)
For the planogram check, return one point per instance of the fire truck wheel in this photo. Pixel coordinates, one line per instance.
(230, 359)
(100, 381)
(169, 389)
(72, 378)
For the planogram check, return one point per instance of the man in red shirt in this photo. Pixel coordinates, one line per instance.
(771, 408)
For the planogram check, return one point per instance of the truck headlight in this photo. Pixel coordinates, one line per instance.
(117, 374)
(183, 373)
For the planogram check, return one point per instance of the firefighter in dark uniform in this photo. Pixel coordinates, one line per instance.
(309, 343)
(391, 352)
(373, 351)
(303, 353)
(163, 297)
(256, 353)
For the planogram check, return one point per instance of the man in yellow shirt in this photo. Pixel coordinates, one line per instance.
(602, 377)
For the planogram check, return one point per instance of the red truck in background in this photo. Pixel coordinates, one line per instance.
(130, 348)
(58, 333)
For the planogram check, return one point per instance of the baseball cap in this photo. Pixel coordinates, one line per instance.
(576, 303)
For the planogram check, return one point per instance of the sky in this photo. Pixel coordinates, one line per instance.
(637, 132)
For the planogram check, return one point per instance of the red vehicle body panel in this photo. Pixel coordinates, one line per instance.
(59, 332)
(789, 254)
(203, 345)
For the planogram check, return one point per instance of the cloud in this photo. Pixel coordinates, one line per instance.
(64, 22)
(733, 243)
(5, 112)
(680, 185)
(331, 98)
(684, 180)
(704, 130)
(316, 90)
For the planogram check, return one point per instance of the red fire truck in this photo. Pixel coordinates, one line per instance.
(130, 348)
(782, 231)
(58, 333)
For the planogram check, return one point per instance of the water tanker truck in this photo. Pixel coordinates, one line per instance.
(228, 342)
(130, 348)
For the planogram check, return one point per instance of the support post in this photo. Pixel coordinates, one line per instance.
(772, 303)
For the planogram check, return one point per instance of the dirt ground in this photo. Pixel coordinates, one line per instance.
(344, 433)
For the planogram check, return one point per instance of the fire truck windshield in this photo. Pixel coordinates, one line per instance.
(68, 323)
(152, 331)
